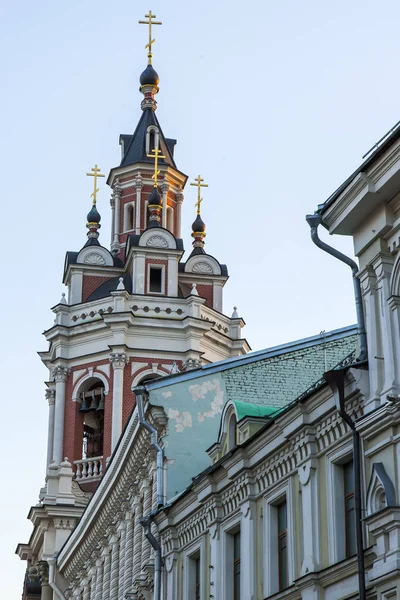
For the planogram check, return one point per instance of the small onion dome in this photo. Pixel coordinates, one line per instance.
(94, 215)
(155, 198)
(198, 225)
(149, 76)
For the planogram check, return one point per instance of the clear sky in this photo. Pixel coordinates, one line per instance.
(273, 103)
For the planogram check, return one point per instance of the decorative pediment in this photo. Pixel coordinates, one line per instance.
(158, 238)
(381, 492)
(203, 264)
(96, 256)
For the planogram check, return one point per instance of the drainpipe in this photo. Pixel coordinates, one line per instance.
(335, 380)
(52, 579)
(146, 521)
(314, 221)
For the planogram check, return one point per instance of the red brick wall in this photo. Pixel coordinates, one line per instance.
(206, 291)
(90, 284)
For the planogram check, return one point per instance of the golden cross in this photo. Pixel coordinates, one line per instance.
(199, 185)
(156, 155)
(96, 173)
(150, 22)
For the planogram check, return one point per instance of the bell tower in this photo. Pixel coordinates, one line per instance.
(135, 311)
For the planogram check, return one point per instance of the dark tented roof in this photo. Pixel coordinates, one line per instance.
(135, 145)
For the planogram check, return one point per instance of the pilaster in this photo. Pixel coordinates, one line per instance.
(307, 473)
(118, 361)
(60, 375)
(51, 399)
(138, 186)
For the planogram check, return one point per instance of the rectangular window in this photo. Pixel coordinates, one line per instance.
(282, 545)
(197, 578)
(349, 508)
(236, 566)
(155, 280)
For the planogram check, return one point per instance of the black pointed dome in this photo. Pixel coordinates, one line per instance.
(198, 225)
(149, 76)
(94, 215)
(155, 198)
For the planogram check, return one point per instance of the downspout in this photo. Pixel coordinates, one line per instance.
(52, 580)
(146, 521)
(335, 380)
(314, 221)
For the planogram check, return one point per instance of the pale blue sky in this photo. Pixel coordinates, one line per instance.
(274, 105)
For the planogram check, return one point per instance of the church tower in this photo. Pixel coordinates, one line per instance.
(135, 311)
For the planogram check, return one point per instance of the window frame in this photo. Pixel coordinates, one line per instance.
(335, 460)
(159, 268)
(127, 206)
(283, 492)
(196, 551)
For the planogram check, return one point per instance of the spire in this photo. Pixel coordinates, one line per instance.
(198, 225)
(149, 78)
(93, 217)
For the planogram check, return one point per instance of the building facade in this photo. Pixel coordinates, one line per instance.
(181, 467)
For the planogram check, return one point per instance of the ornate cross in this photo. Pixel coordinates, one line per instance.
(96, 173)
(150, 22)
(198, 183)
(156, 155)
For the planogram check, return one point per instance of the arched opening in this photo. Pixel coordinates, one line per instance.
(129, 217)
(152, 138)
(232, 432)
(92, 407)
(170, 219)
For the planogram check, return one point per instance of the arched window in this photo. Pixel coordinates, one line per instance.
(170, 219)
(128, 216)
(232, 432)
(152, 138)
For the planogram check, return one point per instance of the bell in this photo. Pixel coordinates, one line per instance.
(93, 404)
(84, 407)
(101, 403)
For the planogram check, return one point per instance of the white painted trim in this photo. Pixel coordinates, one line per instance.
(160, 268)
(91, 375)
(196, 549)
(335, 500)
(143, 374)
(228, 529)
(126, 206)
(282, 491)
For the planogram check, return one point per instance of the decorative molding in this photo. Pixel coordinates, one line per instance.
(61, 373)
(381, 492)
(202, 267)
(157, 241)
(50, 396)
(94, 259)
(118, 360)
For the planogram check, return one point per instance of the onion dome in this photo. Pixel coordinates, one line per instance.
(155, 198)
(149, 76)
(198, 224)
(94, 215)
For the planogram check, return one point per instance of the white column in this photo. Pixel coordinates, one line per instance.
(248, 551)
(147, 500)
(309, 496)
(60, 375)
(137, 536)
(128, 550)
(179, 201)
(106, 571)
(216, 564)
(114, 577)
(172, 283)
(122, 552)
(375, 362)
(118, 361)
(164, 189)
(171, 568)
(138, 185)
(112, 204)
(99, 577)
(117, 200)
(217, 296)
(50, 397)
